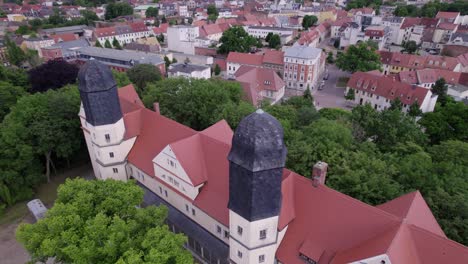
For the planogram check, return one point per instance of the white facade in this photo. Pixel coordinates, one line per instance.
(200, 72)
(182, 38)
(303, 69)
(38, 44)
(125, 38)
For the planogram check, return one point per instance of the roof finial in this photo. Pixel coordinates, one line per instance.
(259, 111)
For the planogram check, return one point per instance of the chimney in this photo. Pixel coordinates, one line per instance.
(319, 173)
(156, 107)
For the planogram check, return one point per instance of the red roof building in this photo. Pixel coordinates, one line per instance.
(190, 172)
(380, 90)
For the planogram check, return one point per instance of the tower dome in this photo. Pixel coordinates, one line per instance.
(258, 143)
(98, 92)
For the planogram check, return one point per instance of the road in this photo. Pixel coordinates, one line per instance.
(331, 96)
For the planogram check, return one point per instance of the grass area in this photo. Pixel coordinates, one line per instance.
(342, 81)
(47, 192)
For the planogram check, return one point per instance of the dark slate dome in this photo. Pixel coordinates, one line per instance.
(95, 76)
(98, 92)
(258, 143)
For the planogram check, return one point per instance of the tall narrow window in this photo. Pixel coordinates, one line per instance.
(115, 170)
(263, 234)
(239, 230)
(111, 154)
(107, 136)
(261, 258)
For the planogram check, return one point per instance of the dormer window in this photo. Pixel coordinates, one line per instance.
(266, 82)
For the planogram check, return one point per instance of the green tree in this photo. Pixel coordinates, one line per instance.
(23, 30)
(116, 44)
(142, 74)
(160, 38)
(447, 122)
(121, 78)
(212, 12)
(217, 69)
(107, 44)
(401, 11)
(274, 42)
(198, 103)
(46, 124)
(152, 12)
(14, 76)
(15, 54)
(236, 39)
(350, 95)
(410, 46)
(268, 36)
(9, 94)
(440, 89)
(114, 10)
(309, 21)
(36, 24)
(396, 104)
(91, 223)
(174, 60)
(414, 110)
(98, 44)
(88, 17)
(330, 57)
(361, 57)
(167, 62)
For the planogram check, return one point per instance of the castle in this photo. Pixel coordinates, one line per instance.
(233, 198)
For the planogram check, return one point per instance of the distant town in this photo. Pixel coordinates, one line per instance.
(330, 131)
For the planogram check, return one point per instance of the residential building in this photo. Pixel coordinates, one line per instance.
(207, 180)
(457, 82)
(119, 60)
(393, 23)
(80, 30)
(124, 34)
(303, 67)
(270, 59)
(260, 84)
(286, 34)
(188, 70)
(394, 62)
(182, 38)
(63, 50)
(38, 43)
(380, 90)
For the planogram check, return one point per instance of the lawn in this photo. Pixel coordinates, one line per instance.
(342, 81)
(47, 192)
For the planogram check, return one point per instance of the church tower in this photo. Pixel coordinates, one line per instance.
(256, 162)
(102, 120)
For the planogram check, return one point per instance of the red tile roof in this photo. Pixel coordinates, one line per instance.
(323, 224)
(414, 210)
(273, 57)
(162, 29)
(245, 58)
(411, 61)
(64, 37)
(387, 87)
(447, 26)
(105, 32)
(447, 15)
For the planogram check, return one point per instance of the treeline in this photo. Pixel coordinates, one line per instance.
(430, 9)
(39, 129)
(373, 156)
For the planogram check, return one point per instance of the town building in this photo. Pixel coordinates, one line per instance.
(124, 34)
(286, 34)
(63, 50)
(182, 38)
(260, 84)
(394, 62)
(230, 194)
(303, 67)
(270, 59)
(188, 70)
(119, 60)
(38, 43)
(380, 90)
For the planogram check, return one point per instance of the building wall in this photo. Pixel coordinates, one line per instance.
(296, 78)
(182, 39)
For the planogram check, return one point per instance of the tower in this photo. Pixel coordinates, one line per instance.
(256, 162)
(102, 120)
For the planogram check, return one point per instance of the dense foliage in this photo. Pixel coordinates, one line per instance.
(360, 57)
(212, 12)
(363, 3)
(142, 74)
(373, 156)
(100, 222)
(114, 10)
(198, 103)
(237, 39)
(430, 9)
(52, 75)
(308, 21)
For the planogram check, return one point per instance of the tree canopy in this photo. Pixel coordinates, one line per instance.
(198, 103)
(114, 10)
(360, 57)
(152, 12)
(308, 21)
(237, 39)
(52, 75)
(212, 12)
(142, 74)
(274, 41)
(410, 46)
(90, 222)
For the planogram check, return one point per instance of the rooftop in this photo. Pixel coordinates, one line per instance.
(186, 68)
(123, 55)
(302, 52)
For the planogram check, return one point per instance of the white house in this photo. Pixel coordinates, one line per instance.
(189, 71)
(182, 38)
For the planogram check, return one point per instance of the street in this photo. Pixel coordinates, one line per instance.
(331, 96)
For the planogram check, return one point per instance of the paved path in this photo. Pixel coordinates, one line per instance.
(331, 96)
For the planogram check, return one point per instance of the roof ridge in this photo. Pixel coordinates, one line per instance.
(445, 239)
(400, 228)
